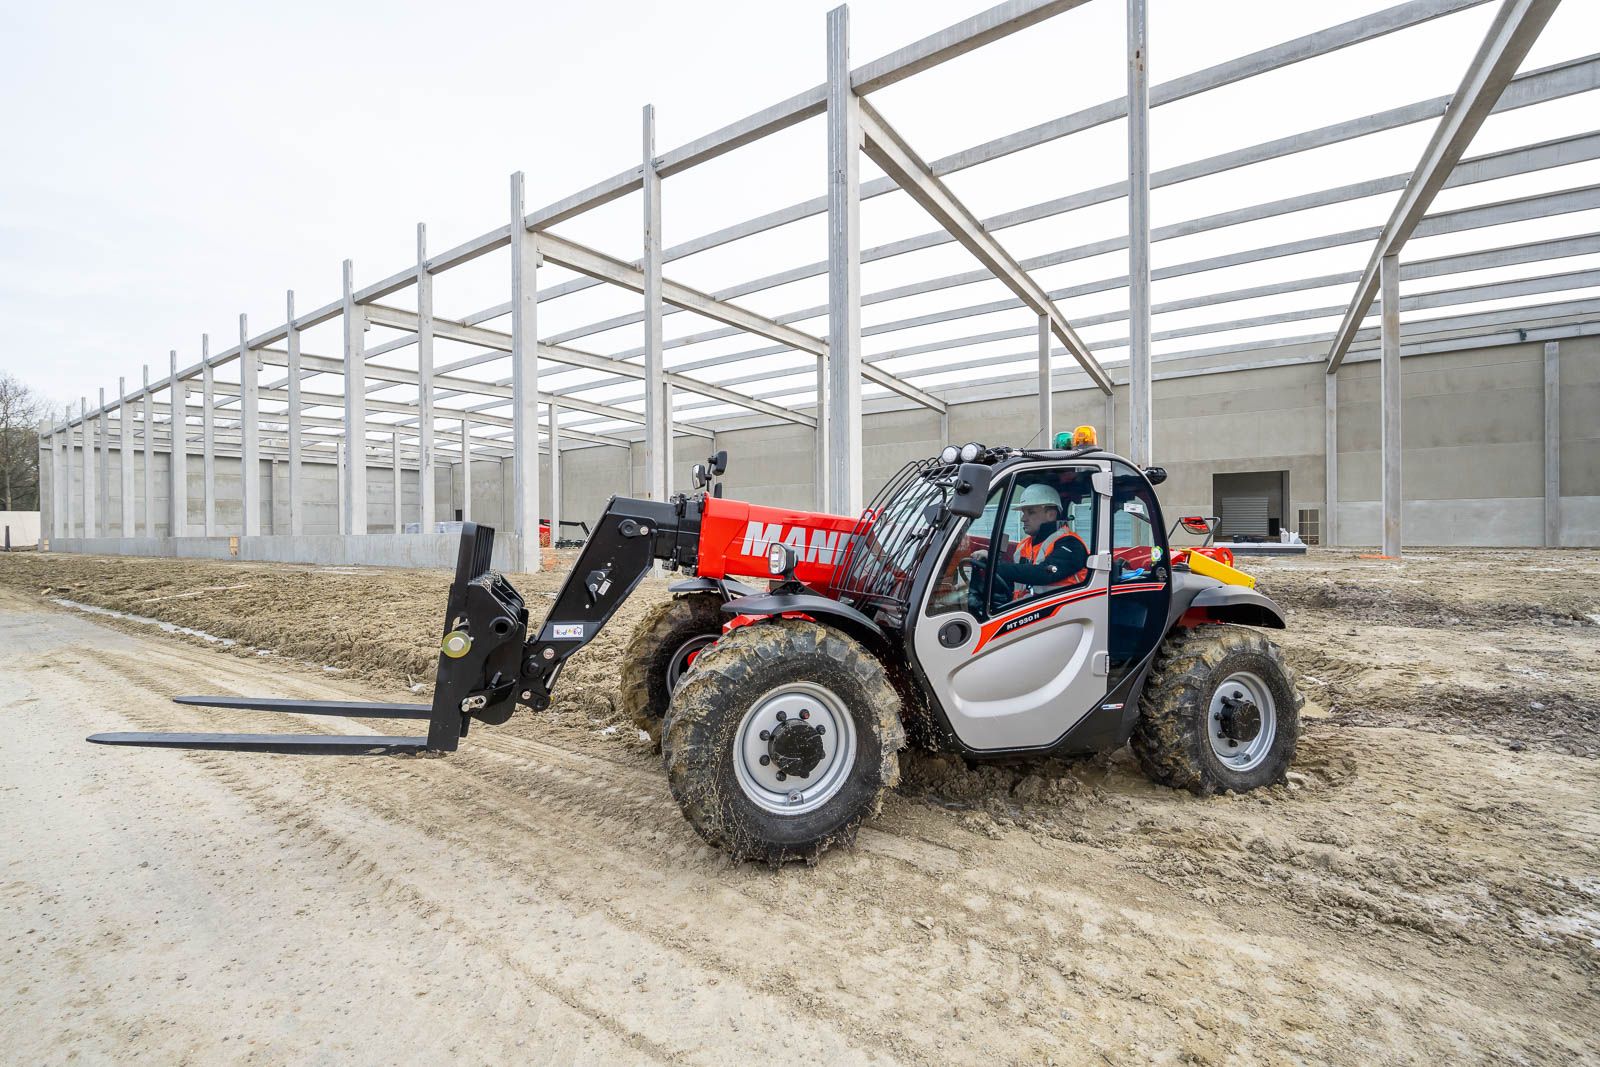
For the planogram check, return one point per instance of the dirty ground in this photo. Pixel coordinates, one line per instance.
(1426, 888)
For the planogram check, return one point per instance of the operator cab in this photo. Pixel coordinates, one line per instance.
(1013, 667)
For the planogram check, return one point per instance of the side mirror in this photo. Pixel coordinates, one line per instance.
(1196, 524)
(1156, 475)
(719, 463)
(972, 490)
(702, 477)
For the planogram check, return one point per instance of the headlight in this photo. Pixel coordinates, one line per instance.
(949, 455)
(970, 452)
(778, 560)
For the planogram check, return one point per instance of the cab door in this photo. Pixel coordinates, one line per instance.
(1016, 669)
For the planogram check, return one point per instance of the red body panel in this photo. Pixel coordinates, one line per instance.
(735, 537)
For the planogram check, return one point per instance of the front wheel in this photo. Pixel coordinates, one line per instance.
(665, 645)
(782, 740)
(1219, 712)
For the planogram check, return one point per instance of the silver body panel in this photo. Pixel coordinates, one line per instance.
(1019, 681)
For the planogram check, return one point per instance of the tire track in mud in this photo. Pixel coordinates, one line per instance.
(375, 851)
(587, 831)
(993, 959)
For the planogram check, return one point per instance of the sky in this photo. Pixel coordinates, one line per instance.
(174, 165)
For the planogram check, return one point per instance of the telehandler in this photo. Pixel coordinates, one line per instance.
(781, 711)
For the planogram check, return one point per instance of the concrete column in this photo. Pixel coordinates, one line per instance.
(1330, 462)
(669, 438)
(821, 435)
(103, 471)
(125, 459)
(208, 433)
(524, 383)
(1390, 400)
(466, 469)
(1552, 444)
(1046, 411)
(178, 468)
(341, 462)
(425, 457)
(355, 408)
(249, 433)
(657, 446)
(844, 273)
(61, 486)
(87, 474)
(149, 426)
(1140, 448)
(555, 473)
(297, 482)
(399, 495)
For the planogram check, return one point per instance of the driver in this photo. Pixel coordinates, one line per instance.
(1050, 556)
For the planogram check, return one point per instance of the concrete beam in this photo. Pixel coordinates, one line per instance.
(890, 152)
(1516, 26)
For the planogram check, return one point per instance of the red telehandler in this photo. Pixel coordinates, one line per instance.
(781, 711)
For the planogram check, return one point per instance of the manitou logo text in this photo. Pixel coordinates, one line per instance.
(824, 546)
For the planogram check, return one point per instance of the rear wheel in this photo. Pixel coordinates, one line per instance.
(665, 645)
(1220, 711)
(782, 740)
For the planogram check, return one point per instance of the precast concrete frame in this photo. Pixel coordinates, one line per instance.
(826, 383)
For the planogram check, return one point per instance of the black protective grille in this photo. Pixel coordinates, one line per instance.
(892, 535)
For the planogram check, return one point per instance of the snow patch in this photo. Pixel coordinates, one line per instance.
(145, 620)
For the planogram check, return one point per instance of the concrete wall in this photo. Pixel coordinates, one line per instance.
(23, 527)
(1472, 466)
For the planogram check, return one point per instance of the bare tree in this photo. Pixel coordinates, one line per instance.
(20, 411)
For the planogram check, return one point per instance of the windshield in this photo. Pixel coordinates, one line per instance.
(892, 533)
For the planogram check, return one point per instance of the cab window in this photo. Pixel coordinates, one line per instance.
(1139, 572)
(1023, 519)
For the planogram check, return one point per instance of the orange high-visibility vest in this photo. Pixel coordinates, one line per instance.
(1029, 552)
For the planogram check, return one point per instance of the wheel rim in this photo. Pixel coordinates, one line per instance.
(802, 705)
(684, 658)
(1229, 701)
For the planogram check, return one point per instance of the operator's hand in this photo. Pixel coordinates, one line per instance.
(979, 557)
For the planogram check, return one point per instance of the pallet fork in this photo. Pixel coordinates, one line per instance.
(480, 655)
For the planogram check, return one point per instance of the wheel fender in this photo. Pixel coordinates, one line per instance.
(727, 587)
(821, 608)
(1235, 603)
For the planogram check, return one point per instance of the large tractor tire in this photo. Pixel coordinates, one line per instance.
(782, 740)
(1219, 712)
(665, 645)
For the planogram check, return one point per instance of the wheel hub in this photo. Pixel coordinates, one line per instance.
(795, 747)
(1240, 719)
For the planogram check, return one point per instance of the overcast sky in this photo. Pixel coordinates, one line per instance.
(171, 165)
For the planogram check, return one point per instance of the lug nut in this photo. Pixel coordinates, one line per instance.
(782, 715)
(821, 729)
(805, 714)
(782, 777)
(766, 735)
(765, 760)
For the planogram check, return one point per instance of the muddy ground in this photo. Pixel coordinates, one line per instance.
(1426, 888)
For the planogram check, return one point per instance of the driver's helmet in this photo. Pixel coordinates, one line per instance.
(1040, 495)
